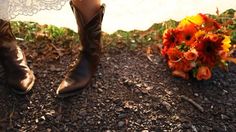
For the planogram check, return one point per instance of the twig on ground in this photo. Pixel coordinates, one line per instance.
(149, 54)
(199, 107)
(58, 50)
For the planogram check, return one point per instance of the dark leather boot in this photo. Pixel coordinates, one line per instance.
(90, 36)
(19, 77)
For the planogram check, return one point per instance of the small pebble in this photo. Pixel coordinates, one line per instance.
(121, 124)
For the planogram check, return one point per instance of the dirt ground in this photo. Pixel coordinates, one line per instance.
(128, 93)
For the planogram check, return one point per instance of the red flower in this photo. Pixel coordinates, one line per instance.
(170, 39)
(208, 49)
(209, 23)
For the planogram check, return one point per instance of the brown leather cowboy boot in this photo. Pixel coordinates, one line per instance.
(19, 77)
(90, 36)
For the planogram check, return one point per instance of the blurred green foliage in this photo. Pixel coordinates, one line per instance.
(31, 31)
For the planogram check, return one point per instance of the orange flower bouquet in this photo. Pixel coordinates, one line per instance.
(196, 45)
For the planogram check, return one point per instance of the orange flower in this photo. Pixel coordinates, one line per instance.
(215, 37)
(200, 34)
(188, 34)
(187, 66)
(196, 41)
(204, 73)
(171, 64)
(174, 54)
(223, 54)
(181, 74)
(181, 65)
(191, 55)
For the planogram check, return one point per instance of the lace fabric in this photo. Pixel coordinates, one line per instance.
(10, 9)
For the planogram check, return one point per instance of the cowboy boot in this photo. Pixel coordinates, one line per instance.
(19, 77)
(90, 36)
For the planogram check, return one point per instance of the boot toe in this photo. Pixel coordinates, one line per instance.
(64, 87)
(28, 82)
(25, 85)
(69, 87)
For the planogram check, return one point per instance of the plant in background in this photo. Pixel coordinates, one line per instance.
(196, 45)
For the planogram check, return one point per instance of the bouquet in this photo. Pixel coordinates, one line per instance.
(195, 46)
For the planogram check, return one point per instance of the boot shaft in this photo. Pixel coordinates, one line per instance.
(8, 44)
(5, 31)
(19, 77)
(90, 33)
